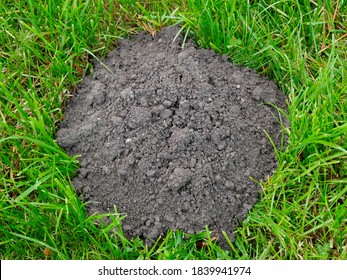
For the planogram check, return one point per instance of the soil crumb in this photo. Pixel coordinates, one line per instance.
(172, 136)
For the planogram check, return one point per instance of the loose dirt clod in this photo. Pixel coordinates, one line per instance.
(172, 136)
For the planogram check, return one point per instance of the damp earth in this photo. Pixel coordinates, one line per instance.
(173, 136)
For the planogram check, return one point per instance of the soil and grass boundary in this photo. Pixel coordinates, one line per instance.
(48, 46)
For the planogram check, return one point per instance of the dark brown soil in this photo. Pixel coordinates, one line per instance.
(172, 136)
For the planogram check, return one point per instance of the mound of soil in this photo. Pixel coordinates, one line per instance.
(171, 136)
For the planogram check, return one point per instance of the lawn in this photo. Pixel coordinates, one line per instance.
(46, 47)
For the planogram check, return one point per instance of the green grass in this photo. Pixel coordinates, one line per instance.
(46, 47)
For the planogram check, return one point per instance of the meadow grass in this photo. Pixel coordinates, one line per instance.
(46, 47)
